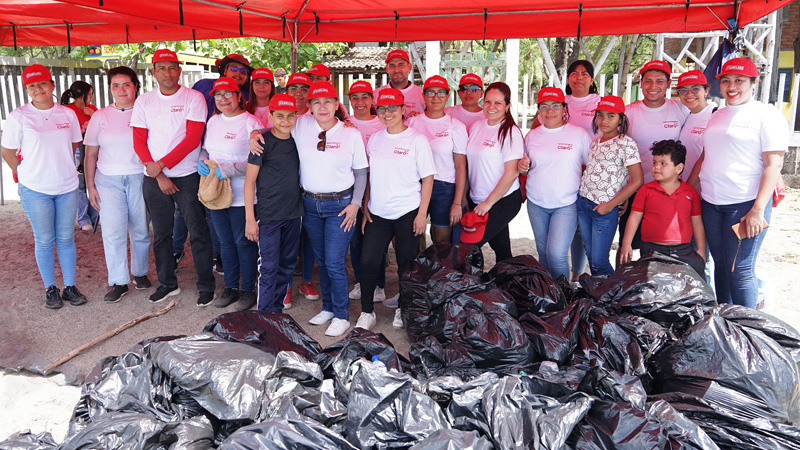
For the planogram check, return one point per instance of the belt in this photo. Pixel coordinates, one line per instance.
(328, 196)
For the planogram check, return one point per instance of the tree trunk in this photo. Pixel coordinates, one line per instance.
(623, 50)
(626, 69)
(562, 55)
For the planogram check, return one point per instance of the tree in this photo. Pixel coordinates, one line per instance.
(79, 52)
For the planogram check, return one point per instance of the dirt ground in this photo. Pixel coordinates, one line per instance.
(32, 334)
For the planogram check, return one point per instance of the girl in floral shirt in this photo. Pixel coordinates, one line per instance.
(613, 174)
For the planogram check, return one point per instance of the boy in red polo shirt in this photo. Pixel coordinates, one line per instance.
(669, 211)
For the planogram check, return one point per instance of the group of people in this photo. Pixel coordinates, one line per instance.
(304, 175)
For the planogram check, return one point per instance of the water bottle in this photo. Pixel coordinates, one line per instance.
(378, 364)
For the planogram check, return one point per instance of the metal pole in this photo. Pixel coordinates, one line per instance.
(769, 54)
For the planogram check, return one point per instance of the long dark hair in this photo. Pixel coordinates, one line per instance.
(251, 106)
(78, 89)
(508, 122)
(128, 72)
(589, 68)
(623, 124)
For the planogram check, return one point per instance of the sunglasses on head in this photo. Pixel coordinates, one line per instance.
(471, 88)
(323, 141)
(390, 108)
(220, 96)
(241, 70)
(685, 90)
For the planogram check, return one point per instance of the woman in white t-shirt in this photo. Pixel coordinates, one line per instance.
(744, 145)
(401, 180)
(494, 148)
(693, 90)
(554, 155)
(38, 143)
(448, 139)
(226, 141)
(470, 92)
(114, 182)
(262, 88)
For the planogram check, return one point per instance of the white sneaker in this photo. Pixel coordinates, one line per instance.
(366, 321)
(379, 295)
(392, 302)
(355, 294)
(398, 319)
(322, 318)
(337, 327)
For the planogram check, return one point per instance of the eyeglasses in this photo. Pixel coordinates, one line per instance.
(696, 89)
(297, 87)
(390, 108)
(228, 94)
(432, 94)
(241, 70)
(472, 88)
(323, 141)
(554, 107)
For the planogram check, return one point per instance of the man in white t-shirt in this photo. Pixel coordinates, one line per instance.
(168, 125)
(398, 67)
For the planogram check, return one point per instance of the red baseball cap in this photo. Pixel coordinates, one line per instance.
(739, 66)
(397, 53)
(300, 78)
(360, 86)
(263, 73)
(322, 89)
(550, 93)
(472, 227)
(436, 81)
(692, 77)
(657, 64)
(471, 78)
(165, 54)
(320, 70)
(225, 84)
(35, 73)
(611, 103)
(282, 102)
(390, 96)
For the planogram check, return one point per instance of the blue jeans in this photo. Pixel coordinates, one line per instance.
(278, 241)
(123, 213)
(578, 252)
(52, 219)
(239, 254)
(306, 256)
(553, 229)
(330, 242)
(734, 282)
(597, 232)
(180, 233)
(355, 254)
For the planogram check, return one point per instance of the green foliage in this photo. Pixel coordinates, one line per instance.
(79, 52)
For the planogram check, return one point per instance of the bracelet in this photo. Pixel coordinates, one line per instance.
(457, 204)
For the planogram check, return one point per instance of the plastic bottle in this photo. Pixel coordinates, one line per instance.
(377, 363)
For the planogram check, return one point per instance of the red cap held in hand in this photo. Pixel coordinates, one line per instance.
(472, 227)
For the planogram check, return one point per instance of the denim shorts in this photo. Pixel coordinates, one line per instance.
(441, 201)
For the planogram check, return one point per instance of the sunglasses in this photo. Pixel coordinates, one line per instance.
(390, 108)
(241, 70)
(440, 94)
(471, 88)
(554, 107)
(695, 90)
(228, 95)
(323, 141)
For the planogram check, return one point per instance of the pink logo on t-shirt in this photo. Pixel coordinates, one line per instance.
(333, 145)
(177, 108)
(563, 146)
(587, 113)
(62, 126)
(489, 143)
(698, 130)
(670, 124)
(401, 151)
(230, 135)
(442, 134)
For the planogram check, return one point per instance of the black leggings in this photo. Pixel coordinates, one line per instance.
(500, 215)
(377, 236)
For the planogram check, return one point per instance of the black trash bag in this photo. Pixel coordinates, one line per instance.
(492, 338)
(783, 333)
(678, 425)
(464, 258)
(335, 359)
(317, 405)
(554, 336)
(601, 342)
(118, 431)
(270, 332)
(25, 440)
(659, 288)
(571, 293)
(453, 440)
(386, 411)
(567, 377)
(462, 400)
(613, 386)
(738, 369)
(430, 359)
(191, 434)
(650, 336)
(295, 433)
(533, 289)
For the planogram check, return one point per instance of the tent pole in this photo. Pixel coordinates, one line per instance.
(769, 54)
(432, 58)
(294, 49)
(512, 72)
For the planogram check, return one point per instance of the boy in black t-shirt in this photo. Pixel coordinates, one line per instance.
(274, 175)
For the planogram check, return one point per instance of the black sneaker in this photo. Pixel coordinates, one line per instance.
(116, 293)
(163, 292)
(247, 299)
(53, 298)
(73, 296)
(218, 269)
(178, 257)
(142, 282)
(205, 298)
(228, 297)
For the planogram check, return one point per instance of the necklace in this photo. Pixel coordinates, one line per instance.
(122, 109)
(42, 111)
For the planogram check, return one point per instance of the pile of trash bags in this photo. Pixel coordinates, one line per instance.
(507, 359)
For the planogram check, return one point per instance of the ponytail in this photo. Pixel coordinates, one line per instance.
(78, 89)
(508, 123)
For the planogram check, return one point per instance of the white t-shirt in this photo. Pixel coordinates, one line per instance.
(581, 111)
(110, 129)
(367, 127)
(649, 125)
(486, 158)
(331, 170)
(397, 163)
(414, 100)
(735, 138)
(165, 119)
(45, 139)
(468, 118)
(446, 136)
(227, 142)
(692, 137)
(556, 158)
(262, 114)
